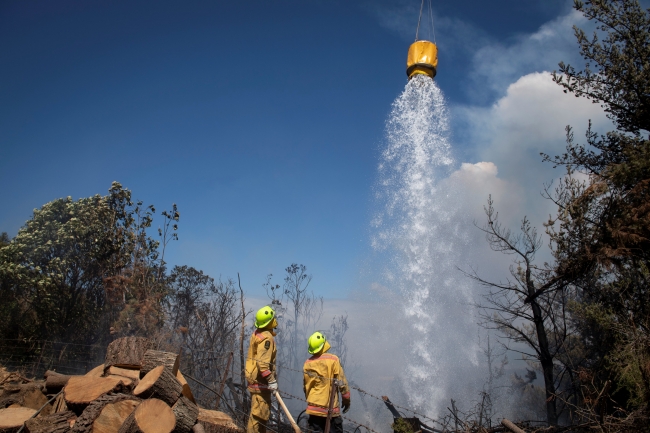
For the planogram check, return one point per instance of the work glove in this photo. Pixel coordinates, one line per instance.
(346, 405)
(273, 386)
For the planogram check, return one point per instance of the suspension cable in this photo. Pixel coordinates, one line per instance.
(433, 29)
(417, 30)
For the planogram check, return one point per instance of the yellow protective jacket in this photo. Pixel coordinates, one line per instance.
(260, 363)
(317, 373)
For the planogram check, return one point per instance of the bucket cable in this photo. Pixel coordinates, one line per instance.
(417, 30)
(433, 29)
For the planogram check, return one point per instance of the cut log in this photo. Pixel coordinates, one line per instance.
(127, 352)
(159, 383)
(56, 423)
(59, 404)
(55, 381)
(198, 428)
(214, 421)
(81, 390)
(187, 392)
(154, 358)
(113, 416)
(126, 381)
(97, 371)
(126, 372)
(151, 416)
(35, 399)
(28, 395)
(11, 419)
(106, 414)
(511, 426)
(186, 414)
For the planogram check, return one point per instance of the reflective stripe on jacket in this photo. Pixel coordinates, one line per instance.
(260, 363)
(317, 373)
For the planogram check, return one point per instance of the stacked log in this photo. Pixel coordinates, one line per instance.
(136, 390)
(151, 416)
(127, 352)
(12, 418)
(213, 421)
(154, 358)
(60, 422)
(161, 384)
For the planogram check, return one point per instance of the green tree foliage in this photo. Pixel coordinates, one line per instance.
(4, 239)
(601, 235)
(56, 273)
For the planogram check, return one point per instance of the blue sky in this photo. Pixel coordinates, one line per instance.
(262, 120)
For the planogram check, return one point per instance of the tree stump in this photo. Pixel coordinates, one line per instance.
(187, 392)
(154, 358)
(127, 352)
(215, 421)
(11, 419)
(159, 383)
(82, 390)
(56, 423)
(151, 416)
(106, 414)
(186, 414)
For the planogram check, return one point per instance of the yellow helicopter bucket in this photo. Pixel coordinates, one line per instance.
(422, 59)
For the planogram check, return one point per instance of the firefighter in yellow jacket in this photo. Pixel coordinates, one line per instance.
(260, 369)
(319, 372)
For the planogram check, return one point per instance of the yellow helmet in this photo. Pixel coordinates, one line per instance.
(316, 342)
(264, 316)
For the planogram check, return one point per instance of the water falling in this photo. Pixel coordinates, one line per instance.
(423, 231)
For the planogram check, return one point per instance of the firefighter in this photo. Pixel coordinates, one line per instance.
(260, 369)
(320, 371)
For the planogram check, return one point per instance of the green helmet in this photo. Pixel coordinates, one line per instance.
(316, 342)
(264, 316)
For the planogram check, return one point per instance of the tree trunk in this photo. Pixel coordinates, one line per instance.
(244, 394)
(56, 423)
(186, 414)
(154, 358)
(106, 414)
(545, 358)
(159, 383)
(12, 418)
(127, 352)
(187, 392)
(151, 416)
